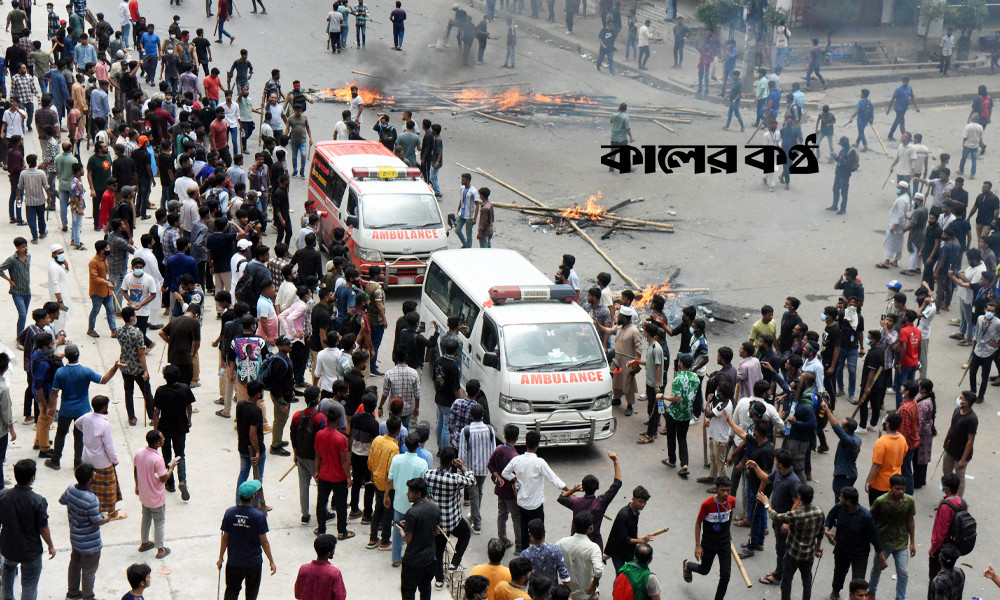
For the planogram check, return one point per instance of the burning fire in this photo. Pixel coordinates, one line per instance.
(645, 298)
(513, 98)
(369, 96)
(592, 210)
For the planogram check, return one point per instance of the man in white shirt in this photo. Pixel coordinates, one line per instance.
(151, 268)
(333, 21)
(972, 139)
(903, 164)
(583, 558)
(781, 35)
(357, 105)
(644, 35)
(327, 366)
(340, 130)
(60, 286)
(947, 47)
(926, 310)
(527, 472)
(183, 183)
(13, 120)
(718, 431)
(238, 263)
(140, 291)
(189, 210)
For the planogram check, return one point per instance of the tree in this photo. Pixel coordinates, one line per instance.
(930, 11)
(709, 14)
(832, 15)
(966, 18)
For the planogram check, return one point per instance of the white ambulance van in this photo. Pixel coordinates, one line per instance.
(537, 354)
(393, 216)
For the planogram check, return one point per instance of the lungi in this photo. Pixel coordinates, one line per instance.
(105, 486)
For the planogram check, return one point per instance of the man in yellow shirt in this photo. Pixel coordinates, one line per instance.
(765, 324)
(383, 449)
(493, 570)
(517, 587)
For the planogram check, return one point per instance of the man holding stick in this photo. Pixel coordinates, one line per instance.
(712, 537)
(625, 531)
(784, 485)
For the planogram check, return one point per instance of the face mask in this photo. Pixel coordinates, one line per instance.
(958, 402)
(988, 315)
(786, 309)
(691, 330)
(138, 272)
(107, 253)
(61, 258)
(822, 317)
(869, 342)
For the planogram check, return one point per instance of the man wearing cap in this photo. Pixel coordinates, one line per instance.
(628, 347)
(244, 536)
(73, 380)
(916, 227)
(897, 223)
(60, 286)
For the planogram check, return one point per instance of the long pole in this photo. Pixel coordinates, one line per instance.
(864, 397)
(282, 478)
(739, 563)
(576, 227)
(879, 138)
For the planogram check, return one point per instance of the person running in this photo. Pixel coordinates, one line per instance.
(713, 538)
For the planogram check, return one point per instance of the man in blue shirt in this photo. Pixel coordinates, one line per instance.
(855, 534)
(149, 46)
(845, 462)
(74, 381)
(900, 101)
(84, 53)
(403, 468)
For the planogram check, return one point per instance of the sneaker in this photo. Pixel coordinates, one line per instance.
(170, 488)
(45, 454)
(477, 530)
(280, 451)
(185, 495)
(355, 514)
(454, 567)
(52, 464)
(439, 585)
(305, 520)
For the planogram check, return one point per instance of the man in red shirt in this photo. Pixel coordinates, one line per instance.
(942, 520)
(212, 83)
(909, 429)
(222, 18)
(713, 538)
(908, 349)
(218, 134)
(319, 578)
(333, 468)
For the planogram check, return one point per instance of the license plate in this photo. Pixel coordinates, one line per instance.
(386, 172)
(406, 280)
(560, 437)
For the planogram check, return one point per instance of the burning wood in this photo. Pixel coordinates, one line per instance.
(645, 298)
(514, 99)
(592, 210)
(369, 96)
(590, 214)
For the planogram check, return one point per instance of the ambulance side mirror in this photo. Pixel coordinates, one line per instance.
(491, 359)
(352, 221)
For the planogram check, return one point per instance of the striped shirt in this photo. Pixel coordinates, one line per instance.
(19, 273)
(459, 417)
(476, 444)
(34, 184)
(84, 513)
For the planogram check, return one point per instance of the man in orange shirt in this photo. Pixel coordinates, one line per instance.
(517, 587)
(887, 457)
(212, 83)
(494, 571)
(219, 132)
(100, 289)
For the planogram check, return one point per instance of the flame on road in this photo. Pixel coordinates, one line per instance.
(369, 96)
(645, 298)
(591, 210)
(515, 98)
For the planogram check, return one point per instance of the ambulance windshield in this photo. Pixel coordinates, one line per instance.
(552, 347)
(400, 211)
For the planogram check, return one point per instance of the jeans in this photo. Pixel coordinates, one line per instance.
(237, 577)
(299, 150)
(464, 225)
(841, 564)
(378, 331)
(246, 467)
(262, 7)
(848, 358)
(907, 469)
(508, 506)
(758, 520)
(125, 34)
(967, 324)
(862, 140)
(381, 518)
(476, 501)
(412, 579)
(173, 83)
(360, 34)
(234, 137)
(788, 567)
(905, 374)
(809, 72)
(246, 130)
(63, 207)
(36, 220)
(149, 67)
(147, 397)
(705, 567)
(734, 111)
(973, 152)
(463, 534)
(902, 560)
(339, 490)
(678, 54)
(610, 54)
(434, 180)
(443, 412)
(677, 439)
(156, 517)
(780, 54)
(109, 310)
(900, 121)
(83, 571)
(397, 35)
(307, 472)
(222, 30)
(77, 225)
(703, 73)
(62, 428)
(829, 141)
(173, 443)
(842, 481)
(143, 189)
(486, 242)
(841, 184)
(945, 63)
(397, 541)
(511, 57)
(643, 56)
(21, 302)
(31, 571)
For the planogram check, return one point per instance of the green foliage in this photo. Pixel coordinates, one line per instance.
(775, 15)
(930, 11)
(967, 17)
(709, 14)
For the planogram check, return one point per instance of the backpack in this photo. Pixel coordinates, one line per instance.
(439, 375)
(249, 286)
(305, 438)
(867, 111)
(985, 107)
(855, 159)
(271, 374)
(54, 364)
(962, 532)
(630, 584)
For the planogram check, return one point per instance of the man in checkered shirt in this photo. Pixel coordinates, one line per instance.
(402, 381)
(446, 484)
(22, 87)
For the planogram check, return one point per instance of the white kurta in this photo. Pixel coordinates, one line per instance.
(897, 217)
(152, 268)
(59, 283)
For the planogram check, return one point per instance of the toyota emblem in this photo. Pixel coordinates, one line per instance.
(407, 249)
(563, 397)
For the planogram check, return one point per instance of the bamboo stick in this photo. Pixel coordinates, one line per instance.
(576, 227)
(607, 216)
(495, 118)
(664, 126)
(366, 74)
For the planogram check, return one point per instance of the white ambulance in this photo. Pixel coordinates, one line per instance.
(393, 216)
(537, 354)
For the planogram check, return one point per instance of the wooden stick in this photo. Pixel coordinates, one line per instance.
(664, 126)
(688, 291)
(739, 563)
(754, 134)
(472, 109)
(964, 373)
(576, 227)
(937, 464)
(489, 116)
(886, 179)
(282, 478)
(659, 531)
(864, 397)
(879, 138)
(366, 75)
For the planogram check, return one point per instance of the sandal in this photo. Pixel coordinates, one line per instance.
(668, 463)
(222, 413)
(881, 266)
(769, 580)
(742, 523)
(371, 545)
(746, 553)
(132, 421)
(645, 439)
(345, 536)
(119, 516)
(684, 570)
(683, 472)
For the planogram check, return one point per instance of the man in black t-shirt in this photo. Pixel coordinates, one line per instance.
(250, 434)
(831, 351)
(420, 527)
(789, 320)
(959, 440)
(447, 388)
(321, 322)
(172, 416)
(144, 175)
(987, 205)
(203, 49)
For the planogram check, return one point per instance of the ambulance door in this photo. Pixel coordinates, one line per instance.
(486, 359)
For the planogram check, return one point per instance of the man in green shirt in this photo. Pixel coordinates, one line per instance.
(64, 172)
(621, 129)
(16, 20)
(297, 129)
(760, 94)
(679, 411)
(409, 140)
(893, 514)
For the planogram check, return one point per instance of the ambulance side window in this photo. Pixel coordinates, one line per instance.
(490, 336)
(450, 298)
(336, 189)
(352, 203)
